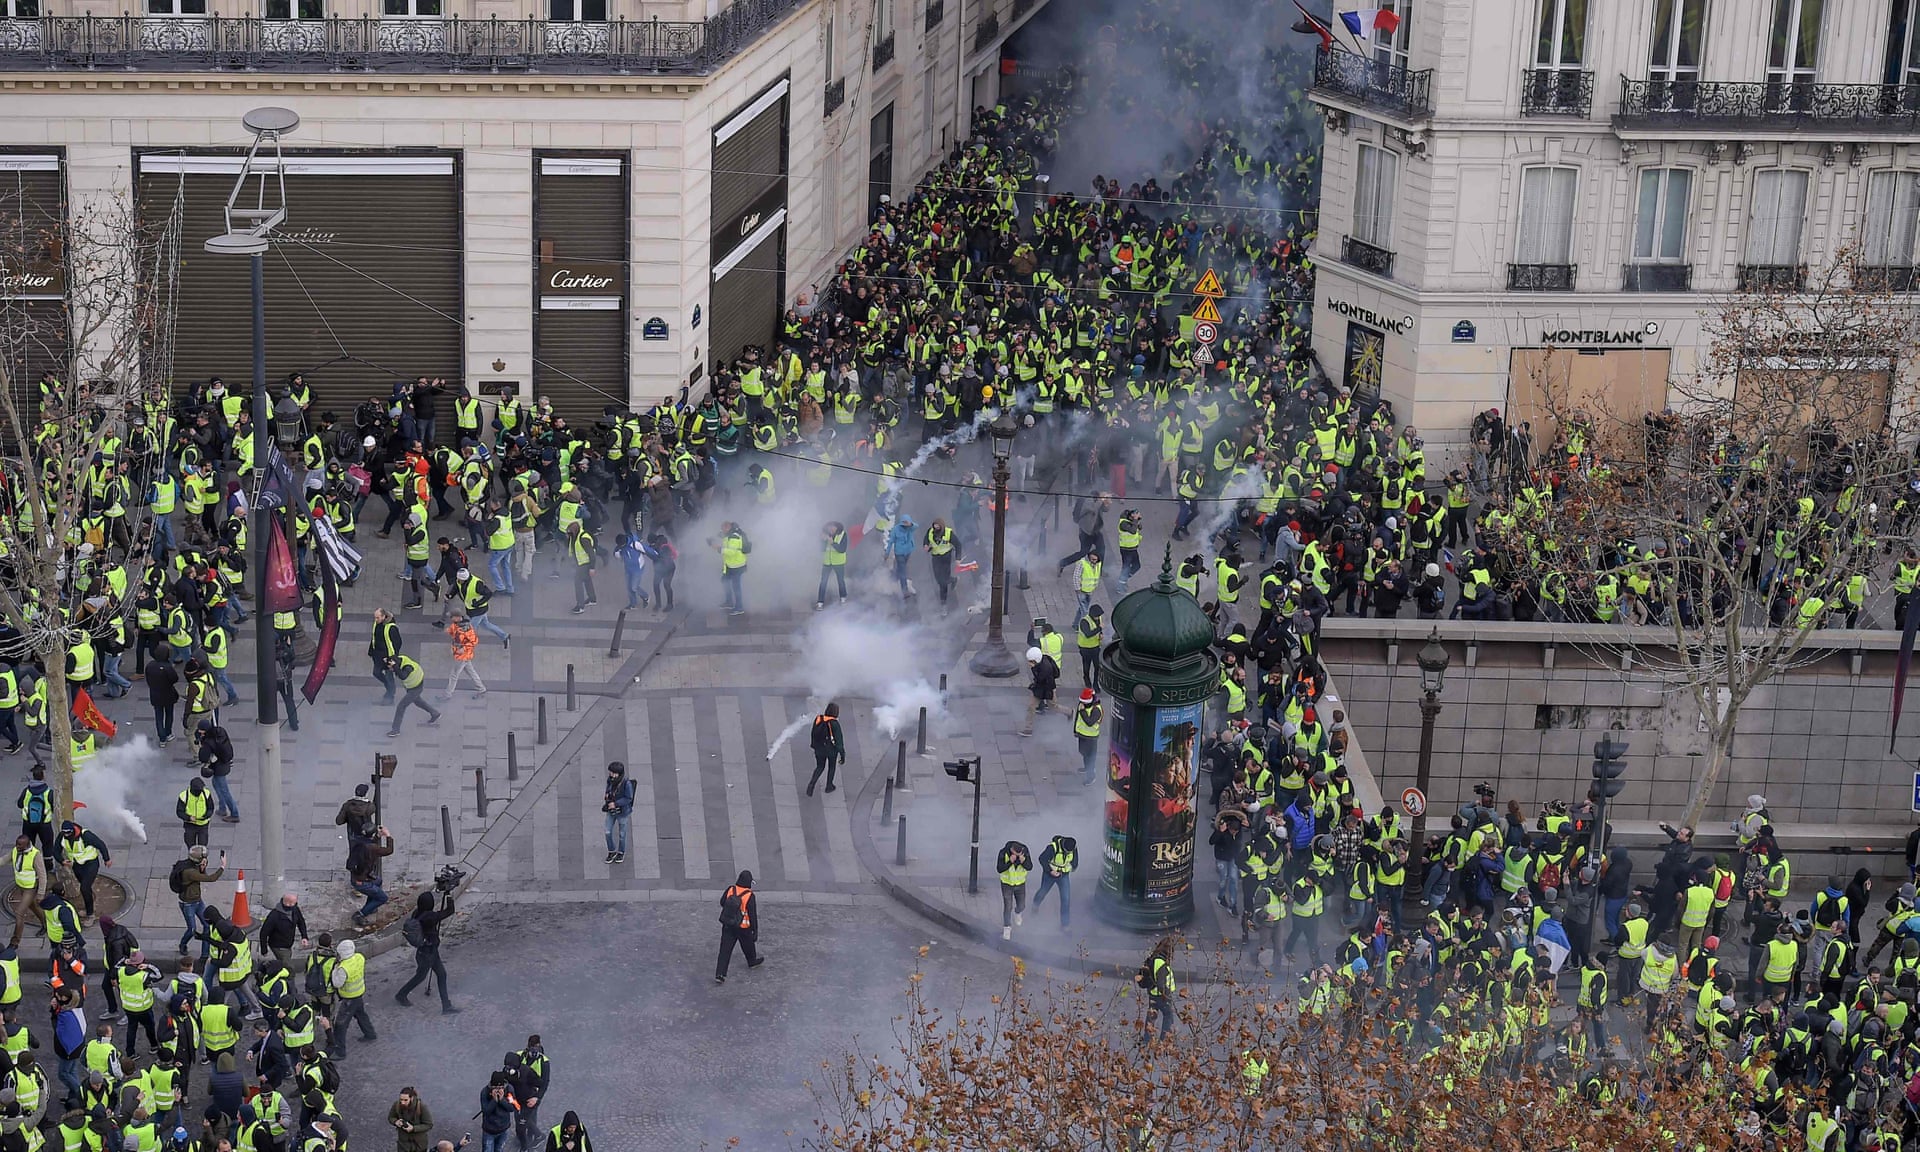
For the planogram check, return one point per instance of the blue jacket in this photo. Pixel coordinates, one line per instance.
(1482, 875)
(900, 538)
(1300, 824)
(69, 1034)
(621, 796)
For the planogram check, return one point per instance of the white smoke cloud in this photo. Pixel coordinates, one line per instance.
(102, 786)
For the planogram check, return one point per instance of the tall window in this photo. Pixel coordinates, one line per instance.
(1793, 47)
(1679, 26)
(1392, 47)
(576, 11)
(19, 9)
(1893, 211)
(176, 7)
(1373, 196)
(1546, 216)
(1660, 223)
(296, 10)
(833, 66)
(1903, 43)
(1563, 34)
(882, 20)
(1779, 209)
(411, 7)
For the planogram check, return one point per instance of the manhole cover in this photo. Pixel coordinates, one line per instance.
(110, 898)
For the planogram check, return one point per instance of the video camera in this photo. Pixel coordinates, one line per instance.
(448, 878)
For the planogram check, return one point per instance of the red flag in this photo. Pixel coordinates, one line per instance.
(1313, 25)
(89, 715)
(329, 635)
(283, 582)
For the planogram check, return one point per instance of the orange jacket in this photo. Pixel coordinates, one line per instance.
(464, 640)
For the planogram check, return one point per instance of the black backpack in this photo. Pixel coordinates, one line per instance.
(177, 879)
(316, 981)
(414, 932)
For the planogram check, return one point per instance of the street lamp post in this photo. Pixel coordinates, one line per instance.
(993, 658)
(246, 235)
(1433, 661)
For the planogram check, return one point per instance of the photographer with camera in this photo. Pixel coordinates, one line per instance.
(422, 932)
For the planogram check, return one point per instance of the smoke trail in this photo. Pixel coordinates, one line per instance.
(901, 707)
(102, 785)
(791, 730)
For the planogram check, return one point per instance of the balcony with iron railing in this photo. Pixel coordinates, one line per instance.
(936, 12)
(1657, 278)
(985, 31)
(1366, 257)
(376, 44)
(883, 52)
(1886, 278)
(1556, 92)
(1713, 107)
(1772, 277)
(836, 96)
(1540, 277)
(1348, 77)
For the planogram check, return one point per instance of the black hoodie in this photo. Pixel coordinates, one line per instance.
(559, 1141)
(1617, 884)
(430, 917)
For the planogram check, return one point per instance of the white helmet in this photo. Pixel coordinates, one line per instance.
(1033, 655)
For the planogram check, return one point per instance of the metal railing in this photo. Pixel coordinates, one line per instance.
(836, 96)
(936, 12)
(1366, 257)
(1887, 278)
(986, 30)
(1772, 277)
(376, 44)
(1540, 277)
(1657, 278)
(1555, 92)
(883, 52)
(1365, 80)
(1709, 104)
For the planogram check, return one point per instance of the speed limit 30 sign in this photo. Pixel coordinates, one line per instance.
(1205, 332)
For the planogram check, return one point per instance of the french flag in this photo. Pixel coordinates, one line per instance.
(1363, 20)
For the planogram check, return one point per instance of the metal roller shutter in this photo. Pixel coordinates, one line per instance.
(580, 354)
(749, 201)
(32, 331)
(362, 284)
(746, 301)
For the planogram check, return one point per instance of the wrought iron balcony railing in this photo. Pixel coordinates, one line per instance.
(1658, 278)
(986, 30)
(936, 12)
(1887, 278)
(1715, 104)
(1366, 257)
(376, 44)
(883, 52)
(1555, 92)
(1540, 277)
(1772, 277)
(836, 96)
(1365, 80)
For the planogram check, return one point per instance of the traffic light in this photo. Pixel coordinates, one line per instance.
(961, 770)
(1608, 767)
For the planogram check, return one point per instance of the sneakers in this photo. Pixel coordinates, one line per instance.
(619, 857)
(402, 1000)
(833, 788)
(579, 611)
(609, 858)
(433, 719)
(1006, 933)
(719, 979)
(393, 732)
(819, 605)
(1016, 919)
(756, 963)
(809, 789)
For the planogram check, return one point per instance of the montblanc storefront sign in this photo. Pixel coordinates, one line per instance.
(590, 285)
(1592, 337)
(32, 281)
(1399, 326)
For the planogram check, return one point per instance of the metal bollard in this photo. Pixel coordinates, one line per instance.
(1023, 580)
(900, 845)
(573, 705)
(900, 768)
(886, 812)
(446, 829)
(619, 629)
(480, 790)
(943, 684)
(921, 748)
(513, 756)
(540, 737)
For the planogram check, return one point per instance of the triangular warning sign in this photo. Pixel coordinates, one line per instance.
(1209, 286)
(1206, 311)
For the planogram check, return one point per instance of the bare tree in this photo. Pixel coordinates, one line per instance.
(86, 436)
(1760, 506)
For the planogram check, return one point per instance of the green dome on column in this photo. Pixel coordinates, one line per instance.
(1160, 628)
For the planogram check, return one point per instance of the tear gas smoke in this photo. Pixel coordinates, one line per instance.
(102, 786)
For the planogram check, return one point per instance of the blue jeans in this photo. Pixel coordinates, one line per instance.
(163, 533)
(622, 823)
(225, 682)
(224, 795)
(734, 594)
(375, 897)
(70, 1077)
(1048, 882)
(636, 587)
(1614, 905)
(110, 671)
(1229, 874)
(194, 913)
(500, 571)
(481, 621)
(900, 572)
(385, 676)
(494, 1141)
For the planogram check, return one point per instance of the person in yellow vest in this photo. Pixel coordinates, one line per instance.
(940, 543)
(1087, 635)
(135, 980)
(1057, 862)
(194, 809)
(349, 980)
(833, 562)
(1087, 719)
(412, 679)
(1656, 979)
(734, 547)
(1012, 864)
(29, 880)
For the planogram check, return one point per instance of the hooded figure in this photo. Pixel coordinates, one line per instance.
(569, 1135)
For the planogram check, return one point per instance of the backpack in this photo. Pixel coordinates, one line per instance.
(1724, 890)
(733, 910)
(316, 981)
(1550, 874)
(37, 806)
(329, 1077)
(414, 932)
(177, 879)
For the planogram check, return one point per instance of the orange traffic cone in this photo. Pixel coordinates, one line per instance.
(242, 915)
